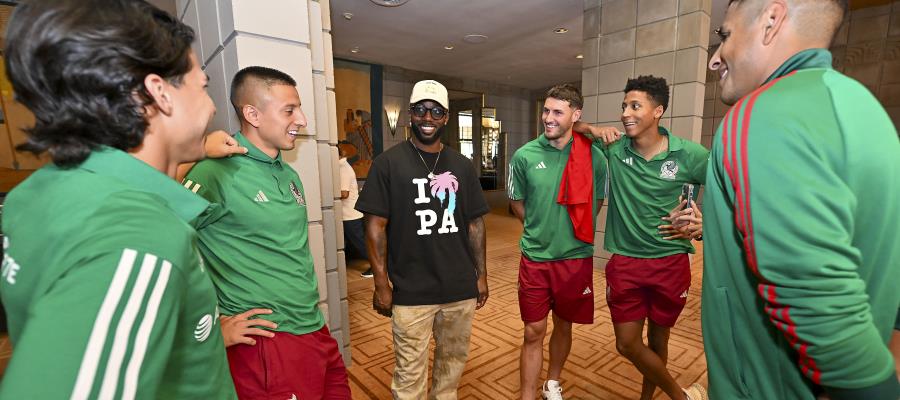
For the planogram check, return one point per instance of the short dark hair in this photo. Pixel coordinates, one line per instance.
(269, 77)
(819, 22)
(656, 88)
(80, 65)
(567, 92)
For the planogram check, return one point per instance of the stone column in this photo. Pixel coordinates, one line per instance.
(233, 34)
(628, 38)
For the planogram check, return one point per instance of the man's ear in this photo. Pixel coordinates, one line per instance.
(774, 20)
(251, 115)
(159, 91)
(658, 111)
(576, 115)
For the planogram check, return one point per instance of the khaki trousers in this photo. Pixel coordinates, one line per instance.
(413, 327)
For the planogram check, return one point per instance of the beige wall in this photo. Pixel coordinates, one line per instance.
(233, 34)
(867, 48)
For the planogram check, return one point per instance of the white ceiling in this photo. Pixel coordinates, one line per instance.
(521, 49)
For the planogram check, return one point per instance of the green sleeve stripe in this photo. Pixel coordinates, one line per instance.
(100, 332)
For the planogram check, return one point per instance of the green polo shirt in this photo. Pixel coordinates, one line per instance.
(257, 248)
(642, 192)
(535, 173)
(104, 289)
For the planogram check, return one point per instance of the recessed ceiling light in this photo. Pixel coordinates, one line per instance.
(475, 39)
(580, 56)
(448, 47)
(348, 16)
(354, 50)
(390, 3)
(560, 30)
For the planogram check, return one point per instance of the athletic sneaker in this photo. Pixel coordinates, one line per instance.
(696, 392)
(367, 273)
(551, 390)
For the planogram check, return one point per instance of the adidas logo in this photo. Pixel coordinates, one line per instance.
(541, 165)
(261, 197)
(684, 294)
(192, 186)
(586, 291)
(629, 161)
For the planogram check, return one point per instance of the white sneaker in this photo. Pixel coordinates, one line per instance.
(551, 390)
(695, 392)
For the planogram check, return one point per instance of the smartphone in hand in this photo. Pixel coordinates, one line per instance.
(687, 194)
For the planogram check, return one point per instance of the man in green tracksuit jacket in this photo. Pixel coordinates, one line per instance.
(802, 256)
(105, 292)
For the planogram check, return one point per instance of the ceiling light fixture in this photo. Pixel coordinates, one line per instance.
(354, 50)
(580, 56)
(348, 16)
(475, 39)
(561, 30)
(448, 47)
(390, 3)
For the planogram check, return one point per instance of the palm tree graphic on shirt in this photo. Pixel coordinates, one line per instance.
(442, 185)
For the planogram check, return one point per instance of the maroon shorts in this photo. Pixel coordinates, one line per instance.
(638, 288)
(564, 286)
(289, 366)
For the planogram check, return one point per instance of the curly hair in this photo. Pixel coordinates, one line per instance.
(80, 65)
(656, 88)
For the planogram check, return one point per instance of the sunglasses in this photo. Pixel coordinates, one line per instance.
(419, 110)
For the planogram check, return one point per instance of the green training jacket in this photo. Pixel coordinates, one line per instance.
(801, 250)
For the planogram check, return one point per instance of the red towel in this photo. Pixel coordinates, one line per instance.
(576, 190)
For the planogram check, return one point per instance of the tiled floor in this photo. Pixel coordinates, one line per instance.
(594, 369)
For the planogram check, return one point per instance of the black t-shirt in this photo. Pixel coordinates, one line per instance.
(429, 260)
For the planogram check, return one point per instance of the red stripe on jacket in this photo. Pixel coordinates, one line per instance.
(739, 174)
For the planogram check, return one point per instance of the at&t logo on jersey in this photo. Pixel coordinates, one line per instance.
(204, 328)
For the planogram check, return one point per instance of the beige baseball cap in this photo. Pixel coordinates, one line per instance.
(430, 90)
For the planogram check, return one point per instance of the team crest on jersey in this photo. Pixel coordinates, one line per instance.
(298, 195)
(668, 170)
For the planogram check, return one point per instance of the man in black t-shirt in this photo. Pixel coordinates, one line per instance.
(429, 261)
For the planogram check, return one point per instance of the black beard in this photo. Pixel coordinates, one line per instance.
(427, 140)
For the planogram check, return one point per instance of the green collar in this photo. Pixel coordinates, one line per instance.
(114, 163)
(543, 141)
(806, 59)
(254, 152)
(675, 144)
